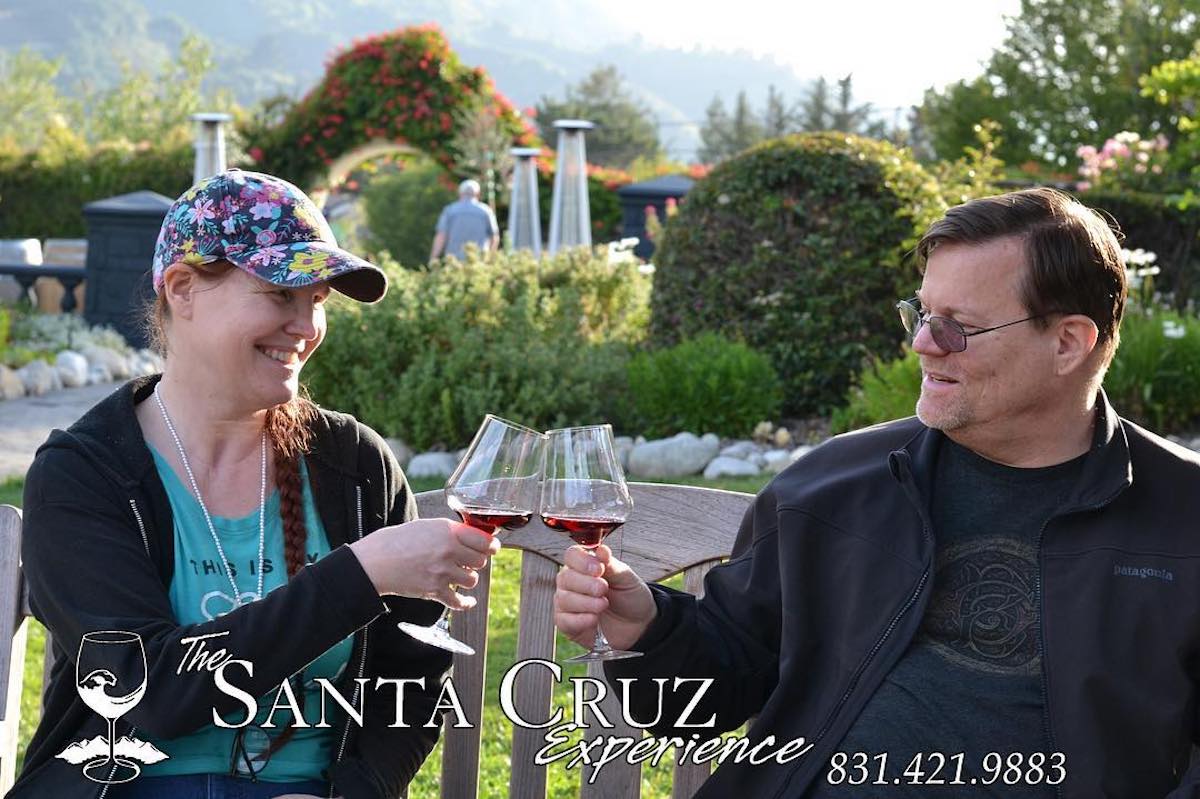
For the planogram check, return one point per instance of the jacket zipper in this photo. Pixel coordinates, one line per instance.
(871, 655)
(141, 526)
(362, 658)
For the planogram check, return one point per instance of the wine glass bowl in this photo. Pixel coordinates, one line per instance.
(585, 497)
(495, 486)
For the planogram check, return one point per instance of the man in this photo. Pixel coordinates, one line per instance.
(466, 221)
(1007, 585)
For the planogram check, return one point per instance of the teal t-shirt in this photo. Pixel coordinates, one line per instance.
(200, 592)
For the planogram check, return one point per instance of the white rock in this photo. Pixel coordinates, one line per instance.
(673, 457)
(98, 373)
(623, 446)
(724, 466)
(11, 386)
(639, 440)
(37, 376)
(776, 460)
(72, 368)
(401, 450)
(711, 438)
(802, 450)
(431, 464)
(741, 449)
(113, 361)
(56, 382)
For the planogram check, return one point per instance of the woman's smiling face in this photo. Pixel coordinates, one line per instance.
(254, 337)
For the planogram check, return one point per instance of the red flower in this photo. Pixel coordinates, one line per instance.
(256, 153)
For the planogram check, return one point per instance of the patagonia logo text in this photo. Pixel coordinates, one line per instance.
(1144, 572)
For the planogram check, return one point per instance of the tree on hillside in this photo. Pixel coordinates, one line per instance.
(1065, 75)
(146, 107)
(724, 134)
(29, 102)
(626, 129)
(778, 118)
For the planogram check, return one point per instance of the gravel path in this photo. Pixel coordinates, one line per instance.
(25, 423)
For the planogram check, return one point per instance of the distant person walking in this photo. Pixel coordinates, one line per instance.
(466, 221)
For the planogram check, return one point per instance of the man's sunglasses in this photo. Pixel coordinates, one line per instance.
(947, 333)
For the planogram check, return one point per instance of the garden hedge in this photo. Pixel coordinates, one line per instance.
(43, 197)
(1158, 224)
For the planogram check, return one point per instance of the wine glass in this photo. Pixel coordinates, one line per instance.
(584, 496)
(110, 676)
(495, 486)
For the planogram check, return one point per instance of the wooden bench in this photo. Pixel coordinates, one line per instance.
(674, 529)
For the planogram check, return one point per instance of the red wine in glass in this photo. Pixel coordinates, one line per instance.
(490, 520)
(588, 533)
(584, 496)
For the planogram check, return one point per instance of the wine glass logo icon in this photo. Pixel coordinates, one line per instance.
(110, 677)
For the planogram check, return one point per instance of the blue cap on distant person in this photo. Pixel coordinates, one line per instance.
(265, 226)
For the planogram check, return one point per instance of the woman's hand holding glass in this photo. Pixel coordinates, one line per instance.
(426, 559)
(495, 487)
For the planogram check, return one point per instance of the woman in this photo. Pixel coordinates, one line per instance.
(151, 516)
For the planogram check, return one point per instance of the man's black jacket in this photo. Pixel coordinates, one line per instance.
(98, 554)
(829, 580)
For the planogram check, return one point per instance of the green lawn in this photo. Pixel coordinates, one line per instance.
(10, 491)
(502, 648)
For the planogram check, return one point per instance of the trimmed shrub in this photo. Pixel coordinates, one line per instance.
(706, 385)
(543, 343)
(798, 247)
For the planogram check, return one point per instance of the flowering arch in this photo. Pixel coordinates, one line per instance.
(398, 90)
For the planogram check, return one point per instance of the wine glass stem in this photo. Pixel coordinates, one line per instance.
(443, 622)
(112, 745)
(600, 644)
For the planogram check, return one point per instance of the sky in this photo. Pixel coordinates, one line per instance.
(895, 50)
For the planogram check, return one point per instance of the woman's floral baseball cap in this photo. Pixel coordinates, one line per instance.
(264, 226)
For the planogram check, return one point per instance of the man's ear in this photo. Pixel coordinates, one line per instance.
(1076, 340)
(179, 287)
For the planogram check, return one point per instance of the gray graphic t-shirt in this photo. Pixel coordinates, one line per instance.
(970, 682)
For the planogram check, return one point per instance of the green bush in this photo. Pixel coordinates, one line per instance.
(402, 210)
(543, 341)
(706, 384)
(885, 390)
(1154, 378)
(42, 193)
(798, 247)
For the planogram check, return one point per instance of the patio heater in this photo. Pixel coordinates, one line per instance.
(524, 215)
(210, 145)
(570, 217)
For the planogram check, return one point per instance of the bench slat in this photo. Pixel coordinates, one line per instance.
(534, 685)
